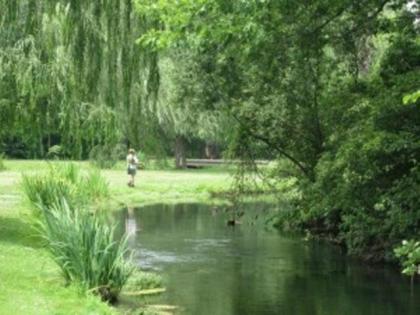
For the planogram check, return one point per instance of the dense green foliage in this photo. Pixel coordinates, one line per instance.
(71, 74)
(409, 255)
(320, 84)
(74, 78)
(330, 86)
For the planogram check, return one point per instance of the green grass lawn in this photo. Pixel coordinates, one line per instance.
(30, 283)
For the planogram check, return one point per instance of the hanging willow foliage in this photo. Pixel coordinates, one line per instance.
(72, 74)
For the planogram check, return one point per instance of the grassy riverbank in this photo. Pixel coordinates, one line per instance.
(30, 281)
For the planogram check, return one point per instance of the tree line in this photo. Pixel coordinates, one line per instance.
(319, 84)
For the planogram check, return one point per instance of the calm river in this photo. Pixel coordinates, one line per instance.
(213, 269)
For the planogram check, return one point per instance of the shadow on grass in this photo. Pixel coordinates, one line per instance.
(18, 231)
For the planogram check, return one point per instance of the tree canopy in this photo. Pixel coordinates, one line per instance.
(321, 84)
(331, 87)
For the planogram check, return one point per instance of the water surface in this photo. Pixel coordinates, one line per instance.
(210, 268)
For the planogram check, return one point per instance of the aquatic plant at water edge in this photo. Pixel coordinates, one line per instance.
(409, 255)
(141, 280)
(86, 249)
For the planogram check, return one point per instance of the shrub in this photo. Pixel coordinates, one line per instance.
(365, 197)
(85, 248)
(106, 156)
(366, 190)
(55, 152)
(409, 255)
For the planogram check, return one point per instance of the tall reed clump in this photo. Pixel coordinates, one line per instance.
(43, 191)
(86, 188)
(81, 242)
(64, 181)
(86, 250)
(94, 187)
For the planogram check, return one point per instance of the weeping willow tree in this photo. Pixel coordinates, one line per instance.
(185, 108)
(72, 74)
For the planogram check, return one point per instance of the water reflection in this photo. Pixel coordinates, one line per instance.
(210, 268)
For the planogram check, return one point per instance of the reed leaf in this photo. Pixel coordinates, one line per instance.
(86, 249)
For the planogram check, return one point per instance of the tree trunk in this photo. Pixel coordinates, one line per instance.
(41, 145)
(180, 158)
(211, 150)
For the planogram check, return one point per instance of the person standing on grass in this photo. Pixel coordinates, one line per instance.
(132, 162)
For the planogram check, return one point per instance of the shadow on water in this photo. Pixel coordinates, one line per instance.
(210, 268)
